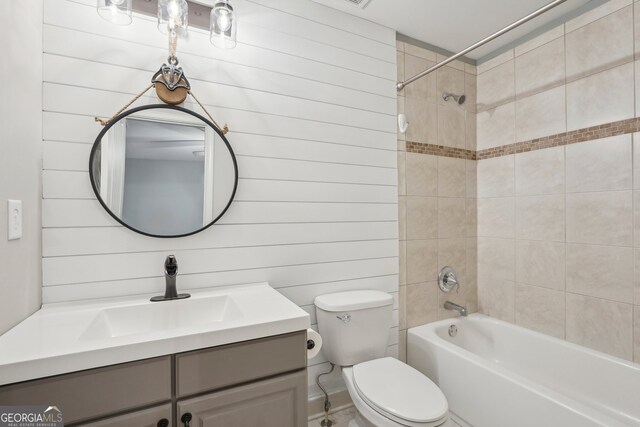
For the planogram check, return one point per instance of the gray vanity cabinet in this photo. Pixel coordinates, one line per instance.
(279, 401)
(261, 382)
(253, 383)
(154, 417)
(97, 393)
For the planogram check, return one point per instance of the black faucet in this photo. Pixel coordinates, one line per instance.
(170, 275)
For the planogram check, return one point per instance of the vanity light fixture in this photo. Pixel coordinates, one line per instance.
(115, 11)
(223, 26)
(173, 16)
(170, 82)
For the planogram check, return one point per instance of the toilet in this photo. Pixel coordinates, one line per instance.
(355, 328)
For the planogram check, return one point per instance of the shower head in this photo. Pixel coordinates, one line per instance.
(458, 98)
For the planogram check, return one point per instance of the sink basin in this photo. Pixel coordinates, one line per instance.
(77, 335)
(161, 316)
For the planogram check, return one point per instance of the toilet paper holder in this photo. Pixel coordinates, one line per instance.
(314, 343)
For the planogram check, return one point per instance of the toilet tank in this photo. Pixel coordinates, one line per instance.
(354, 325)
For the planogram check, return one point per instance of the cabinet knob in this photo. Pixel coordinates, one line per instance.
(163, 423)
(186, 418)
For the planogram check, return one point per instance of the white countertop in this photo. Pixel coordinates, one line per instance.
(59, 338)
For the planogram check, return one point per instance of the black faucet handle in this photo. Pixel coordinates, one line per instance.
(170, 277)
(171, 265)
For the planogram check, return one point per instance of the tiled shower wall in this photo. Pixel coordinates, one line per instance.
(559, 227)
(437, 205)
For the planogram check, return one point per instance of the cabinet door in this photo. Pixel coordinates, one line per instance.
(160, 416)
(216, 368)
(276, 402)
(87, 395)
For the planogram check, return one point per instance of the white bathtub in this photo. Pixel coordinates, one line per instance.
(495, 374)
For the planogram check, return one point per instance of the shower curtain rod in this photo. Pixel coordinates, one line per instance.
(506, 29)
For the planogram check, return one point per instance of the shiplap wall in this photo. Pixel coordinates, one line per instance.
(309, 95)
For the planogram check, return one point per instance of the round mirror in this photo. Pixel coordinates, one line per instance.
(163, 171)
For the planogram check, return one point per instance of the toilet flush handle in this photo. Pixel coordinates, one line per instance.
(346, 317)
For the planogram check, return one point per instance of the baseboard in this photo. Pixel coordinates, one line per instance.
(339, 400)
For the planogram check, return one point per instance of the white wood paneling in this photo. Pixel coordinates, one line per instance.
(214, 70)
(333, 18)
(56, 152)
(76, 185)
(309, 96)
(74, 157)
(60, 270)
(67, 71)
(143, 32)
(92, 102)
(264, 16)
(97, 240)
(69, 213)
(307, 280)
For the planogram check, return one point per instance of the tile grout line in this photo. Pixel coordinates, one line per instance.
(515, 194)
(633, 198)
(564, 173)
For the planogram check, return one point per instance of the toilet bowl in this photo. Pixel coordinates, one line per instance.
(386, 392)
(389, 393)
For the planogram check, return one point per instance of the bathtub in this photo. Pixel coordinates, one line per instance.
(495, 374)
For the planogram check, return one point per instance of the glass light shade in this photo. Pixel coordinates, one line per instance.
(173, 15)
(223, 25)
(116, 11)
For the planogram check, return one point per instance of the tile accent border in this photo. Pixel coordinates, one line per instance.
(440, 150)
(579, 135)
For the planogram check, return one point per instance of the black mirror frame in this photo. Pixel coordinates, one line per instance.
(166, 107)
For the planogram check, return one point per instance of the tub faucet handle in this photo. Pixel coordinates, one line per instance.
(447, 280)
(450, 280)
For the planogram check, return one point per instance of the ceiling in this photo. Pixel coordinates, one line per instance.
(456, 24)
(164, 141)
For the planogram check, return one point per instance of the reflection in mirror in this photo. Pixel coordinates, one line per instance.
(163, 171)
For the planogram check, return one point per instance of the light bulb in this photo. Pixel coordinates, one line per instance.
(224, 23)
(116, 11)
(173, 9)
(173, 16)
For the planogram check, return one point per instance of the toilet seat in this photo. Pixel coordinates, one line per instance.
(397, 392)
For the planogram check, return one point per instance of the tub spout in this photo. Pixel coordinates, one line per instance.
(455, 307)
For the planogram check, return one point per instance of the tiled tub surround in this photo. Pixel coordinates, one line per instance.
(558, 239)
(436, 188)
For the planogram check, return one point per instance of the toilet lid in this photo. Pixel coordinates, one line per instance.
(397, 389)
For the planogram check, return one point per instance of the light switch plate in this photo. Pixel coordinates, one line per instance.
(14, 219)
